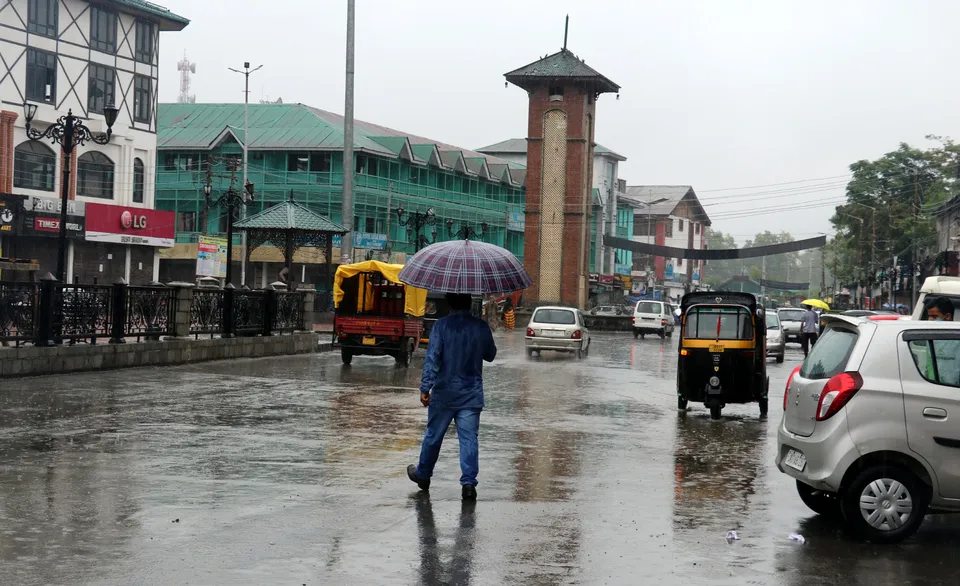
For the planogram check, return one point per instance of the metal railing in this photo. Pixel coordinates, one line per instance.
(18, 313)
(206, 312)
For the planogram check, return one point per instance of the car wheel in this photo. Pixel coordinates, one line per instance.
(820, 502)
(529, 353)
(681, 403)
(715, 411)
(670, 334)
(636, 334)
(346, 355)
(764, 407)
(579, 353)
(884, 504)
(643, 336)
(780, 359)
(662, 334)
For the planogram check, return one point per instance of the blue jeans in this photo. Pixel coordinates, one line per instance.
(468, 428)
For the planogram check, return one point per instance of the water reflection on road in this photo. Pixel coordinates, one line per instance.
(290, 470)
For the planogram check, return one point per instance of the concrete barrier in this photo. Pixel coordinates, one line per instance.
(38, 361)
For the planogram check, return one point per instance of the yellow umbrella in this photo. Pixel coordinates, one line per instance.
(815, 303)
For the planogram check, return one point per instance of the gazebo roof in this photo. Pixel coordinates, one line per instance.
(290, 215)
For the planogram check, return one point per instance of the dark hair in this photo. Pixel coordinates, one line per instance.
(459, 302)
(943, 305)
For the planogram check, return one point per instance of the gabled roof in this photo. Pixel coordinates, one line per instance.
(518, 146)
(519, 176)
(563, 65)
(453, 160)
(662, 200)
(398, 145)
(168, 21)
(478, 167)
(289, 215)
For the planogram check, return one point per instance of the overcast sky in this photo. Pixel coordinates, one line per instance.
(716, 94)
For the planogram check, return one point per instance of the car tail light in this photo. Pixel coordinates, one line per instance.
(577, 335)
(663, 322)
(837, 392)
(786, 391)
(530, 333)
(634, 319)
(883, 317)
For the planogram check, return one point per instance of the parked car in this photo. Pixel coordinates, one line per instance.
(866, 430)
(612, 310)
(653, 317)
(791, 319)
(936, 287)
(558, 329)
(776, 343)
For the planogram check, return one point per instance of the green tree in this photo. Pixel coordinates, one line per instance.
(718, 271)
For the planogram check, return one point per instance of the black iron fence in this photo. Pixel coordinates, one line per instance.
(48, 312)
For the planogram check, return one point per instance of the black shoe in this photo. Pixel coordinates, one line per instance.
(412, 475)
(469, 492)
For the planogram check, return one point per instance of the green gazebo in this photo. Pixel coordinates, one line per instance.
(290, 226)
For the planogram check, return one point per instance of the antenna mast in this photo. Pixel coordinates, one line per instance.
(186, 68)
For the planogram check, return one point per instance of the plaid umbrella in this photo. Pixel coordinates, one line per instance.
(465, 266)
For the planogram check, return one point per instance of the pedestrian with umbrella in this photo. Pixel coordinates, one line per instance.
(451, 387)
(810, 324)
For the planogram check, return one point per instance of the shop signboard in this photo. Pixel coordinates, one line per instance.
(128, 225)
(516, 219)
(212, 257)
(10, 214)
(365, 240)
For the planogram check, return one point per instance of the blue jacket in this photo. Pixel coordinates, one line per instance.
(453, 368)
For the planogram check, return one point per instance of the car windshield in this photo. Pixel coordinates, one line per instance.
(829, 355)
(932, 296)
(773, 322)
(791, 314)
(554, 316)
(718, 323)
(648, 307)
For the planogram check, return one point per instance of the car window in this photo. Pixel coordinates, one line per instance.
(554, 316)
(931, 296)
(648, 307)
(938, 361)
(829, 355)
(773, 322)
(791, 314)
(720, 323)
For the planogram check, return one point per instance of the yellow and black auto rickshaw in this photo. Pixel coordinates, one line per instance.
(437, 307)
(722, 351)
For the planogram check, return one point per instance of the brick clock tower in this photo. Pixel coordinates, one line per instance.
(563, 94)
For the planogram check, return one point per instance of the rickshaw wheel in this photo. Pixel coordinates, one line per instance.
(764, 406)
(681, 403)
(714, 411)
(346, 355)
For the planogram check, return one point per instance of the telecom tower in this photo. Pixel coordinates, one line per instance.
(186, 68)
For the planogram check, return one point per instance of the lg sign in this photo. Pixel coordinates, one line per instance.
(128, 220)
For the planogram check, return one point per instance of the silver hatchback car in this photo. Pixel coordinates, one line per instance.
(866, 428)
(560, 329)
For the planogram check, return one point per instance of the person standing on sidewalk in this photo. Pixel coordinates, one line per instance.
(452, 390)
(809, 329)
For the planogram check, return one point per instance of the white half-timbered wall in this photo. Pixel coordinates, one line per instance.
(131, 139)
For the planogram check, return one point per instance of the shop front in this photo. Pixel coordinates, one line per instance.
(121, 241)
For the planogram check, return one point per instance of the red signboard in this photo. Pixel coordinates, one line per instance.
(125, 225)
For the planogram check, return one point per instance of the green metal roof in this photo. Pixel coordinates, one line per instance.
(518, 146)
(290, 127)
(168, 20)
(289, 215)
(563, 65)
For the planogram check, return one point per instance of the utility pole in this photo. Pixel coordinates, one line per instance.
(916, 242)
(823, 270)
(346, 241)
(246, 132)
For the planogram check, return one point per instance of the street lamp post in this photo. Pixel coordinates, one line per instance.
(68, 132)
(232, 200)
(415, 222)
(466, 232)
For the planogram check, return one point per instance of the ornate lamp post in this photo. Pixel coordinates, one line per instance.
(231, 200)
(416, 222)
(68, 132)
(466, 232)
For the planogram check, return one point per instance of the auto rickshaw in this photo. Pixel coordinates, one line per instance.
(375, 314)
(722, 360)
(437, 307)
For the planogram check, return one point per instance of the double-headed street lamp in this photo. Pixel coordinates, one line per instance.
(415, 223)
(68, 132)
(231, 200)
(466, 232)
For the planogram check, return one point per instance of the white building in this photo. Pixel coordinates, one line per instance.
(73, 55)
(607, 188)
(668, 215)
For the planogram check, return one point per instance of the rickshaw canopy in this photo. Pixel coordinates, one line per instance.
(414, 298)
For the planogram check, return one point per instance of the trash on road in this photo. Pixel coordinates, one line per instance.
(797, 537)
(732, 536)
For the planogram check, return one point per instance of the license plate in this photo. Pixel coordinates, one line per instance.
(647, 318)
(716, 348)
(795, 460)
(367, 341)
(554, 334)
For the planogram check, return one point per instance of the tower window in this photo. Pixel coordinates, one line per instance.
(556, 94)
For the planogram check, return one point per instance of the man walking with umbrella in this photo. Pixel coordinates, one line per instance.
(452, 390)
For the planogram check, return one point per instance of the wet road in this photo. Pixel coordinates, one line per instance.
(291, 471)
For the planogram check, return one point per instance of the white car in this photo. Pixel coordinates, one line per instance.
(652, 317)
(558, 329)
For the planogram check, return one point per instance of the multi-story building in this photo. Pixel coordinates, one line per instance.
(668, 215)
(77, 56)
(609, 209)
(297, 151)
